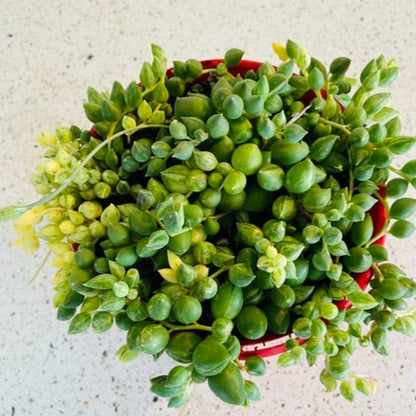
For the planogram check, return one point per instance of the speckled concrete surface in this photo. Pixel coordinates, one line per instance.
(50, 51)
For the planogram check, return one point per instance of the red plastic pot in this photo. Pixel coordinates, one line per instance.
(273, 344)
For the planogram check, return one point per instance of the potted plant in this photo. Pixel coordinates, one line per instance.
(223, 204)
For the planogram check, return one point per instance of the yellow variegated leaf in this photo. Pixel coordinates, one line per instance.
(169, 275)
(54, 215)
(58, 299)
(278, 276)
(24, 229)
(58, 262)
(68, 257)
(62, 275)
(59, 249)
(29, 244)
(27, 219)
(174, 260)
(280, 51)
(198, 234)
(202, 270)
(46, 139)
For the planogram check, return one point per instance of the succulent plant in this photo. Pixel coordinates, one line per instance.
(224, 201)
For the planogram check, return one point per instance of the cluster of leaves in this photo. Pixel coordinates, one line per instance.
(197, 214)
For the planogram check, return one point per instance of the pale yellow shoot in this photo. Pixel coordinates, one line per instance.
(280, 51)
(46, 139)
(174, 260)
(169, 275)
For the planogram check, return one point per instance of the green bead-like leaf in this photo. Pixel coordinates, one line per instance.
(347, 389)
(228, 385)
(374, 103)
(132, 95)
(388, 76)
(93, 112)
(102, 322)
(136, 310)
(293, 49)
(321, 147)
(153, 339)
(402, 229)
(362, 300)
(125, 355)
(401, 144)
(187, 310)
(228, 301)
(102, 281)
(300, 177)
(110, 110)
(363, 385)
(252, 391)
(144, 111)
(316, 79)
(233, 57)
(338, 367)
(294, 133)
(405, 325)
(396, 188)
(157, 240)
(409, 168)
(392, 289)
(403, 208)
(255, 365)
(328, 381)
(147, 77)
(210, 357)
(339, 66)
(80, 323)
(378, 253)
(285, 359)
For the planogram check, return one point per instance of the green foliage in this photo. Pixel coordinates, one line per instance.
(205, 215)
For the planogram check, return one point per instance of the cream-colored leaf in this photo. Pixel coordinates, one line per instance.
(59, 248)
(202, 270)
(373, 385)
(169, 275)
(278, 276)
(63, 274)
(58, 262)
(280, 51)
(174, 260)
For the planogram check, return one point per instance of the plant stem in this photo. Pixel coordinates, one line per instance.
(334, 124)
(35, 275)
(153, 87)
(351, 175)
(399, 172)
(218, 272)
(5, 215)
(377, 272)
(298, 115)
(110, 133)
(386, 224)
(195, 326)
(277, 87)
(160, 223)
(208, 71)
(239, 364)
(219, 216)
